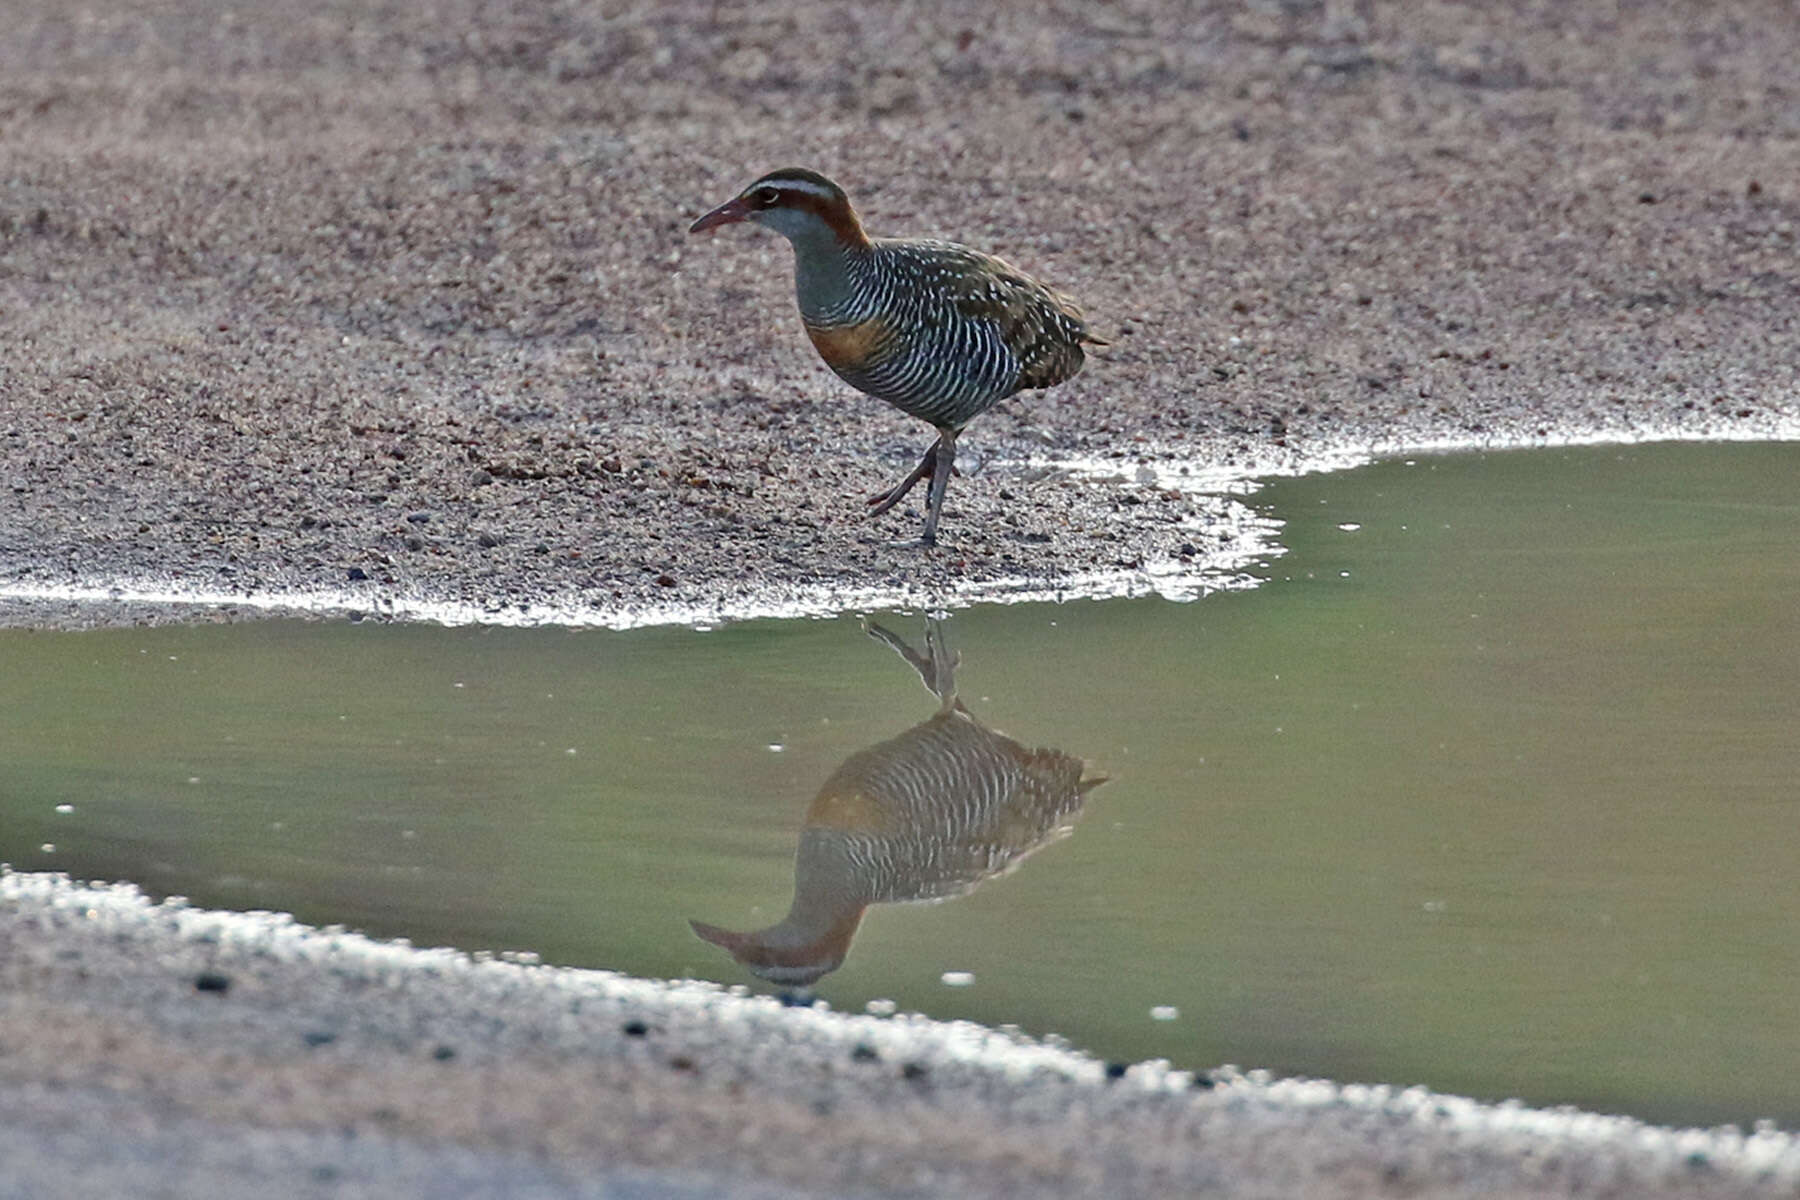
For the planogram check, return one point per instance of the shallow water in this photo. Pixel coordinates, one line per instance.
(1490, 787)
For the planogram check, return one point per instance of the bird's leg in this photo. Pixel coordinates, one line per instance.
(945, 455)
(936, 666)
(880, 504)
(944, 662)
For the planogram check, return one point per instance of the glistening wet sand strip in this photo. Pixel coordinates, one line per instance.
(244, 1050)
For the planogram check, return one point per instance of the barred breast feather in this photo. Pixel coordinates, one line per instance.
(943, 332)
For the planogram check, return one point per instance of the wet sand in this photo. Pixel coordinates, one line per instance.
(209, 1053)
(394, 305)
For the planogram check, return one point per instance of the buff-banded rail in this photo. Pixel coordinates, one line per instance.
(940, 331)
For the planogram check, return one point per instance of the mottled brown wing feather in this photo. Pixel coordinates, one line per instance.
(1043, 327)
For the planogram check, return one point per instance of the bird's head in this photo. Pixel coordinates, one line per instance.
(784, 954)
(795, 203)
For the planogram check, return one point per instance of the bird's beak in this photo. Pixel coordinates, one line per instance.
(728, 213)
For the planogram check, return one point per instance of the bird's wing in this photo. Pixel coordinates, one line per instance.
(1043, 328)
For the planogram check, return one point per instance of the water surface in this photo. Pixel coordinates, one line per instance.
(1490, 787)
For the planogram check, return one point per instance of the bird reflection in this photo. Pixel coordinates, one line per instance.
(927, 815)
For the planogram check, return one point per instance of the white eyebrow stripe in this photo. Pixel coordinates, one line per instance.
(798, 185)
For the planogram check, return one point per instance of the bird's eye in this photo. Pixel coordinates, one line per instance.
(764, 197)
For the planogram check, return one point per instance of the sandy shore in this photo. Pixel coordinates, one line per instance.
(397, 301)
(391, 308)
(222, 1054)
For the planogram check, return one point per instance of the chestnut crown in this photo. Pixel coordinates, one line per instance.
(794, 202)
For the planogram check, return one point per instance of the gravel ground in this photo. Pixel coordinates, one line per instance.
(397, 299)
(385, 306)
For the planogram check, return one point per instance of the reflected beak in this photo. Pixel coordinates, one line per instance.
(728, 213)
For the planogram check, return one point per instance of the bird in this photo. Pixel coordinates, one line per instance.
(940, 331)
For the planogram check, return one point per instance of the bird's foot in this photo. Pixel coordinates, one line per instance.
(938, 465)
(882, 502)
(886, 500)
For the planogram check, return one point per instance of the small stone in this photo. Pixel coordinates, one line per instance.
(863, 1052)
(212, 981)
(444, 1053)
(319, 1037)
(665, 581)
(358, 575)
(636, 1029)
(1116, 1070)
(487, 541)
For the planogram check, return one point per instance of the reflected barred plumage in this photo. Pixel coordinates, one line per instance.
(927, 815)
(938, 330)
(934, 812)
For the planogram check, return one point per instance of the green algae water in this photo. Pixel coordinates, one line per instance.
(1493, 786)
